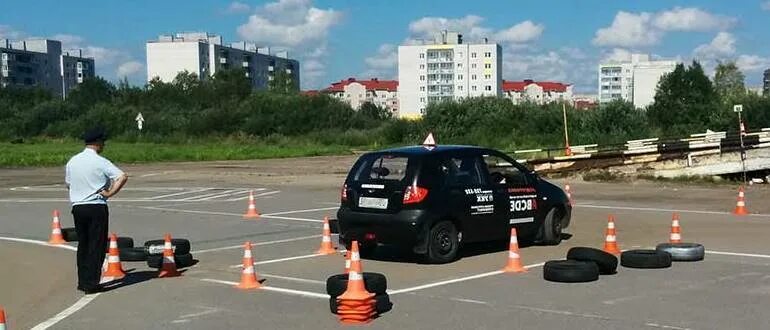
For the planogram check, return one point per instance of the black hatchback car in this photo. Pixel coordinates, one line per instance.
(434, 199)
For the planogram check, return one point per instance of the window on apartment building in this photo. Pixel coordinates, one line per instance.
(487, 54)
(459, 54)
(487, 88)
(422, 55)
(459, 87)
(473, 88)
(473, 77)
(422, 66)
(422, 99)
(459, 65)
(488, 66)
(473, 65)
(473, 55)
(487, 76)
(422, 88)
(459, 77)
(422, 77)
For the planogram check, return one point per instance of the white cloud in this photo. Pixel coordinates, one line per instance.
(617, 55)
(238, 8)
(692, 19)
(647, 29)
(382, 64)
(7, 32)
(628, 30)
(567, 65)
(765, 5)
(298, 26)
(468, 26)
(722, 45)
(520, 33)
(752, 63)
(129, 68)
(68, 39)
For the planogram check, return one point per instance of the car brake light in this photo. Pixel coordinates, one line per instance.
(414, 194)
(344, 193)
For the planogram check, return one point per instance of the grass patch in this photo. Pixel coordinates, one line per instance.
(57, 152)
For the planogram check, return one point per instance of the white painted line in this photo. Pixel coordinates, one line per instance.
(764, 256)
(661, 210)
(229, 194)
(200, 197)
(43, 243)
(274, 289)
(295, 279)
(456, 280)
(180, 193)
(290, 218)
(272, 261)
(255, 196)
(82, 302)
(229, 214)
(257, 244)
(302, 211)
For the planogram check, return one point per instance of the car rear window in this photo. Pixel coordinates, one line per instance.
(382, 167)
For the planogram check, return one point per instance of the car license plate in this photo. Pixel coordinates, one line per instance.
(373, 203)
(158, 249)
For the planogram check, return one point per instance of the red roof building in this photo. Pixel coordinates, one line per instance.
(383, 93)
(539, 92)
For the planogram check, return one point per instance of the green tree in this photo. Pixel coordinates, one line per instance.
(729, 81)
(283, 83)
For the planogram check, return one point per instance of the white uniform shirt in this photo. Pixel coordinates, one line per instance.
(88, 173)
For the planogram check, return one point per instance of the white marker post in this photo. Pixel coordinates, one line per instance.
(741, 131)
(139, 121)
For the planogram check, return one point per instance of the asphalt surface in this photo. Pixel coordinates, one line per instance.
(204, 202)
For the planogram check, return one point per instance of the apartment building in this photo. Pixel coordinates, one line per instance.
(766, 84)
(445, 69)
(204, 54)
(633, 81)
(538, 92)
(41, 63)
(383, 93)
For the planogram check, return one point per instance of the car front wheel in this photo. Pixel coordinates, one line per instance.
(443, 243)
(552, 228)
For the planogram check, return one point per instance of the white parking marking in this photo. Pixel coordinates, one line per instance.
(229, 193)
(82, 302)
(268, 216)
(303, 211)
(295, 279)
(290, 218)
(272, 261)
(456, 280)
(43, 243)
(275, 289)
(180, 193)
(653, 209)
(240, 246)
(764, 256)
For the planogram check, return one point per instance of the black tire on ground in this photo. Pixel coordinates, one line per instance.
(374, 282)
(69, 234)
(608, 263)
(570, 271)
(365, 249)
(645, 259)
(443, 243)
(182, 260)
(552, 228)
(683, 251)
(382, 305)
(180, 245)
(133, 254)
(123, 243)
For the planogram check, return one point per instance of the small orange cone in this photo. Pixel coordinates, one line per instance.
(568, 190)
(326, 239)
(676, 234)
(114, 268)
(56, 236)
(740, 205)
(567, 150)
(168, 269)
(610, 241)
(251, 212)
(356, 305)
(347, 262)
(514, 260)
(248, 276)
(2, 318)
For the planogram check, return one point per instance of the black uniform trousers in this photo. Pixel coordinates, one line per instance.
(91, 224)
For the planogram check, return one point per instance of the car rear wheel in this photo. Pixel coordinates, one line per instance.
(552, 228)
(443, 243)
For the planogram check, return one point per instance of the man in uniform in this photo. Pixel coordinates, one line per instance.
(91, 180)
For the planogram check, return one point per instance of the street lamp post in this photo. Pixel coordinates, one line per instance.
(567, 149)
(739, 109)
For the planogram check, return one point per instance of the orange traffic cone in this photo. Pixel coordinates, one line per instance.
(56, 236)
(326, 239)
(514, 260)
(740, 205)
(676, 234)
(567, 150)
(610, 241)
(168, 269)
(2, 318)
(114, 268)
(251, 212)
(347, 262)
(248, 276)
(569, 194)
(356, 305)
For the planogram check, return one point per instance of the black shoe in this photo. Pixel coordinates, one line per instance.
(92, 290)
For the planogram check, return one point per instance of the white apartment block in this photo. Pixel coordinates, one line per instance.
(538, 92)
(635, 81)
(203, 54)
(446, 69)
(41, 63)
(382, 93)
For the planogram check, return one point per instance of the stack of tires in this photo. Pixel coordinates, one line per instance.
(180, 246)
(583, 264)
(125, 244)
(375, 283)
(663, 255)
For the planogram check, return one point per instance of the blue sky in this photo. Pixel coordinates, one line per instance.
(559, 40)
